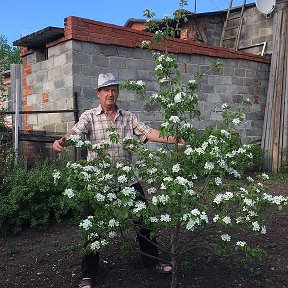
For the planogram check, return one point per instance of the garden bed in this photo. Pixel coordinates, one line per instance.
(51, 258)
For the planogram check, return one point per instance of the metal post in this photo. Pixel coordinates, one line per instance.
(16, 123)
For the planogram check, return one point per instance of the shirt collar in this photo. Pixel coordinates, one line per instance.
(99, 110)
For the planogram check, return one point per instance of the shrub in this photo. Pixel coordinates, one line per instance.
(29, 197)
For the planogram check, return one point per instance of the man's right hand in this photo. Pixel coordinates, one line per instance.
(58, 145)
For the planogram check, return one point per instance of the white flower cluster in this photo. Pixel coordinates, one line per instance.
(218, 181)
(96, 245)
(56, 175)
(194, 218)
(86, 223)
(113, 223)
(223, 197)
(69, 193)
(209, 166)
(139, 205)
(264, 176)
(225, 237)
(162, 199)
(74, 138)
(241, 243)
(278, 200)
(176, 168)
(174, 119)
(162, 218)
(139, 83)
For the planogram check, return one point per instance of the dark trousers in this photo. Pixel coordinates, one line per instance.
(90, 262)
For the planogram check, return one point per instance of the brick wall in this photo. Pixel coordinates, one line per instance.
(91, 47)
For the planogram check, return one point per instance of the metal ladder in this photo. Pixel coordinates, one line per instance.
(236, 27)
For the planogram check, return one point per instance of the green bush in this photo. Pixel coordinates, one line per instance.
(284, 163)
(30, 197)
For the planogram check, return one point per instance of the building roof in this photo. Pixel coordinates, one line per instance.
(130, 21)
(39, 39)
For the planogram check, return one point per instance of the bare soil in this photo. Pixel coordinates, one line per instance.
(51, 258)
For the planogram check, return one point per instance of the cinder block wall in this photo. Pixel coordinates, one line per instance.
(257, 28)
(90, 47)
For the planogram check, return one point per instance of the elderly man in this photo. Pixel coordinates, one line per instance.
(94, 123)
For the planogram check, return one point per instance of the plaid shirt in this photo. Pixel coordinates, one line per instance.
(94, 123)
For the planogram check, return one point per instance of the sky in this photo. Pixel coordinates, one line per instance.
(19, 18)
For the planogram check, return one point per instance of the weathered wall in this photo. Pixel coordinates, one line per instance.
(75, 62)
(257, 28)
(48, 85)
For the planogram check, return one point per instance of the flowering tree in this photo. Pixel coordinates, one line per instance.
(189, 188)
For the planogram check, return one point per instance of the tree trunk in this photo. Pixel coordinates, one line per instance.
(174, 260)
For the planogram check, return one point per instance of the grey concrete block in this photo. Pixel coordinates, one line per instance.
(76, 45)
(53, 51)
(148, 64)
(184, 58)
(100, 61)
(117, 62)
(220, 89)
(134, 63)
(144, 75)
(53, 74)
(82, 81)
(240, 72)
(238, 81)
(108, 50)
(207, 88)
(60, 60)
(90, 48)
(80, 58)
(128, 74)
(65, 47)
(142, 54)
(59, 84)
(37, 88)
(125, 52)
(33, 99)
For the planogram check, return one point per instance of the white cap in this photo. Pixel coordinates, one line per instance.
(105, 80)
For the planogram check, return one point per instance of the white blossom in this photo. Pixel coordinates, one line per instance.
(165, 218)
(86, 223)
(176, 168)
(112, 234)
(151, 190)
(122, 179)
(69, 192)
(182, 181)
(263, 230)
(209, 166)
(256, 226)
(264, 176)
(225, 237)
(241, 243)
(216, 218)
(154, 219)
(100, 197)
(250, 179)
(113, 223)
(218, 181)
(227, 220)
(95, 245)
(236, 121)
(225, 133)
(139, 205)
(174, 119)
(56, 175)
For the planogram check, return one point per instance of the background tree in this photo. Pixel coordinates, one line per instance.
(8, 55)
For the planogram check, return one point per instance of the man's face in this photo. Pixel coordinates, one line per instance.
(108, 95)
